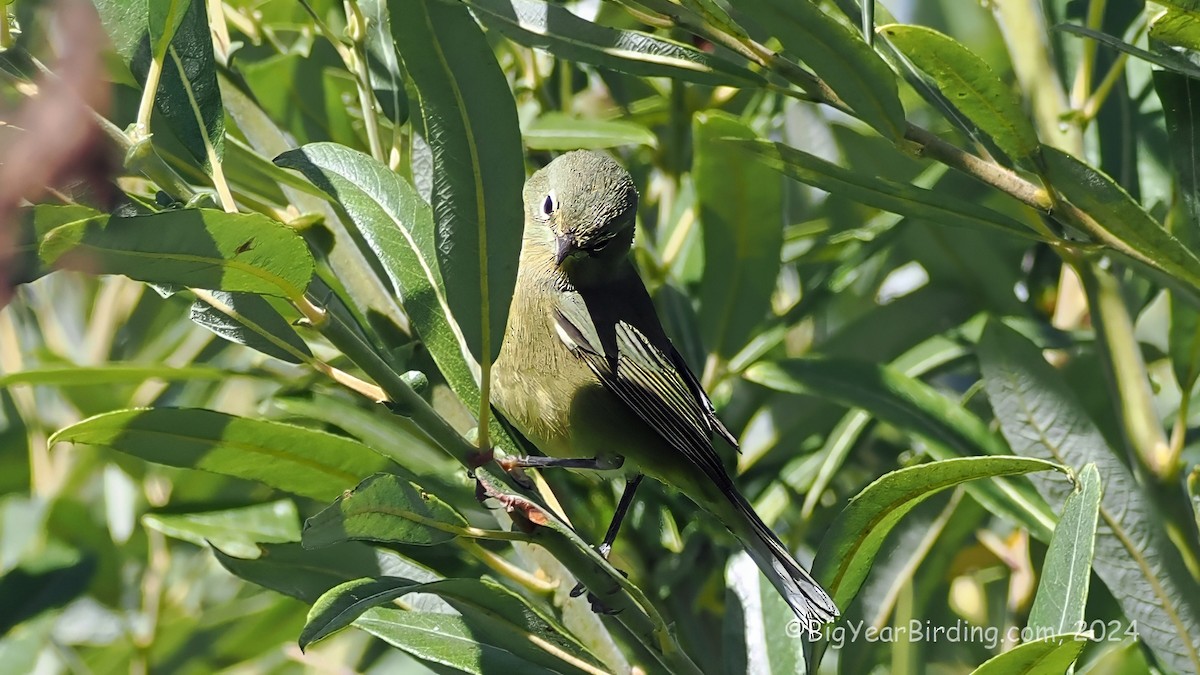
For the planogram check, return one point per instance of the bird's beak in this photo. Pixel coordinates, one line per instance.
(564, 247)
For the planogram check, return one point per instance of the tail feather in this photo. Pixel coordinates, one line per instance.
(804, 595)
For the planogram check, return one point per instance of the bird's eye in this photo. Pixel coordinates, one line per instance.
(549, 206)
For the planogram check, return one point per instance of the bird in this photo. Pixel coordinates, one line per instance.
(587, 373)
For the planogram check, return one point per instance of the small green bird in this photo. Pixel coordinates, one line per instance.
(587, 373)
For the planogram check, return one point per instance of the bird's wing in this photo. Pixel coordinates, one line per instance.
(654, 382)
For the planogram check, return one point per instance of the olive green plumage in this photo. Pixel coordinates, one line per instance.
(585, 369)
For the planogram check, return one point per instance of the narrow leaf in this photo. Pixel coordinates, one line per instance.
(305, 574)
(1124, 224)
(176, 33)
(1067, 571)
(763, 615)
(849, 547)
(248, 319)
(840, 56)
(384, 508)
(555, 29)
(970, 84)
(556, 131)
(397, 225)
(493, 610)
(906, 200)
(301, 461)
(916, 408)
(341, 605)
(1049, 656)
(1166, 59)
(163, 20)
(236, 531)
(1180, 98)
(741, 217)
(113, 373)
(188, 95)
(447, 640)
(189, 247)
(470, 124)
(24, 265)
(1041, 417)
(1193, 487)
(319, 110)
(1179, 26)
(384, 62)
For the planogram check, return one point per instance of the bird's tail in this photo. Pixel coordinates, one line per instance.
(804, 595)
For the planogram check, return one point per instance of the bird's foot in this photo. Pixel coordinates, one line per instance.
(597, 605)
(478, 459)
(515, 471)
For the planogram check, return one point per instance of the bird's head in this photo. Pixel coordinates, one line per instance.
(583, 204)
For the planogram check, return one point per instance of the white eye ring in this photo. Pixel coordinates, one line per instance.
(550, 205)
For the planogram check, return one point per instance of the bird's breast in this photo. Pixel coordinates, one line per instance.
(536, 378)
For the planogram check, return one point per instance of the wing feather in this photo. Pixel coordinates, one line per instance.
(655, 384)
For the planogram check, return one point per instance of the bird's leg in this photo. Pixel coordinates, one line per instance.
(631, 485)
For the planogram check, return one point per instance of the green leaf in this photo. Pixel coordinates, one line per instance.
(318, 112)
(449, 641)
(762, 617)
(470, 124)
(916, 408)
(970, 84)
(187, 97)
(716, 15)
(1041, 417)
(189, 247)
(1067, 571)
(301, 461)
(341, 605)
(555, 29)
(397, 226)
(1179, 26)
(1166, 59)
(304, 574)
(163, 19)
(613, 589)
(113, 373)
(1180, 98)
(741, 217)
(236, 531)
(557, 131)
(395, 436)
(849, 547)
(384, 508)
(839, 56)
(384, 61)
(54, 578)
(907, 200)
(248, 319)
(487, 606)
(921, 359)
(364, 288)
(1124, 224)
(1193, 487)
(34, 223)
(1048, 656)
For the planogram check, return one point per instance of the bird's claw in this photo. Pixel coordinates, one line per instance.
(516, 472)
(600, 608)
(597, 606)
